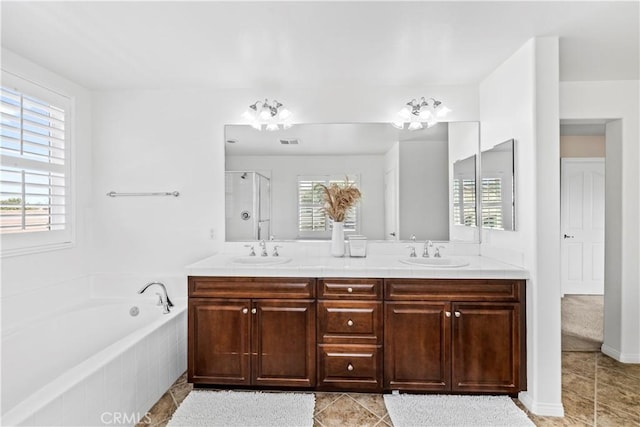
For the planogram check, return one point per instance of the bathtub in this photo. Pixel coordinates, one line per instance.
(105, 362)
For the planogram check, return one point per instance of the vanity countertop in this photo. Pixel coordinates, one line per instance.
(379, 266)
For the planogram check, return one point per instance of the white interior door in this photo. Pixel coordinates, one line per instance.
(582, 225)
(391, 229)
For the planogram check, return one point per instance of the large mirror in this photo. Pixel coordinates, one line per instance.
(406, 179)
(498, 189)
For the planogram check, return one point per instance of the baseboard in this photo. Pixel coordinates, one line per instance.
(539, 408)
(620, 357)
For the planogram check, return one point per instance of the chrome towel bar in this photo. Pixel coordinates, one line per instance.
(167, 193)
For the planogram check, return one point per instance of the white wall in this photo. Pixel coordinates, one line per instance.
(424, 190)
(616, 100)
(464, 141)
(30, 282)
(582, 146)
(174, 140)
(520, 100)
(284, 170)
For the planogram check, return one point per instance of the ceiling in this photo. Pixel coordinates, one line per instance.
(205, 44)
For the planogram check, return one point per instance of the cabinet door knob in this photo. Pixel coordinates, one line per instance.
(349, 290)
(350, 367)
(350, 322)
(245, 310)
(457, 314)
(447, 313)
(254, 310)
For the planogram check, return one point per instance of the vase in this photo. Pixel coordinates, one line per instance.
(337, 239)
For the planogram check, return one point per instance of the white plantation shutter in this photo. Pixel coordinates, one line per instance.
(34, 167)
(464, 202)
(312, 221)
(492, 202)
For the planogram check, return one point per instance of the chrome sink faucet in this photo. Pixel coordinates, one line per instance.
(164, 301)
(263, 245)
(427, 246)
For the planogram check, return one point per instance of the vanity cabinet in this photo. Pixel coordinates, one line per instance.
(252, 331)
(458, 335)
(358, 334)
(350, 334)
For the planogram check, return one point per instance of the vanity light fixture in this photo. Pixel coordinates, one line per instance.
(418, 114)
(269, 115)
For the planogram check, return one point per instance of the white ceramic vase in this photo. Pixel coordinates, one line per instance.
(337, 239)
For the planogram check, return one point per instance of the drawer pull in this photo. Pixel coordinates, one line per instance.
(350, 290)
(350, 367)
(245, 310)
(350, 322)
(254, 310)
(447, 313)
(457, 313)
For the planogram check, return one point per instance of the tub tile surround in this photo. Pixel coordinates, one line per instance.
(591, 395)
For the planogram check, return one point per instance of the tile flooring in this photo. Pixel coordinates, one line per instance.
(596, 391)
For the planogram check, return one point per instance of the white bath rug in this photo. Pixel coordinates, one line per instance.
(410, 410)
(246, 409)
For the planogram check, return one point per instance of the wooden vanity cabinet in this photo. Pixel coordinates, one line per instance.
(252, 331)
(454, 335)
(350, 334)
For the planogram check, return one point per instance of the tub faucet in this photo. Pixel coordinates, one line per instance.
(164, 297)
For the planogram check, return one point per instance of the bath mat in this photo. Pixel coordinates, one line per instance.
(246, 409)
(445, 410)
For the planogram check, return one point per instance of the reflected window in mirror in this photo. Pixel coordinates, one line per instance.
(464, 192)
(313, 223)
(497, 187)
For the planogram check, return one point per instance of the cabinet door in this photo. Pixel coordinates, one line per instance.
(486, 347)
(284, 341)
(219, 341)
(417, 345)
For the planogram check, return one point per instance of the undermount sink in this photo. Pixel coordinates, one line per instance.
(258, 260)
(436, 262)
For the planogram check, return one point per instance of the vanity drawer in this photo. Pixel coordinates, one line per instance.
(350, 322)
(251, 287)
(350, 367)
(454, 289)
(350, 288)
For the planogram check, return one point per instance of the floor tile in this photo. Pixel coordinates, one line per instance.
(583, 364)
(630, 369)
(160, 412)
(582, 386)
(343, 412)
(578, 407)
(619, 399)
(373, 402)
(617, 378)
(325, 399)
(609, 417)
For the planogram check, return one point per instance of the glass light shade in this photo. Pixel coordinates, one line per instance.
(425, 114)
(442, 111)
(284, 114)
(249, 115)
(431, 123)
(272, 127)
(415, 125)
(405, 113)
(265, 113)
(399, 124)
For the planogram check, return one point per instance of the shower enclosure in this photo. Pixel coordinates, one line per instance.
(248, 205)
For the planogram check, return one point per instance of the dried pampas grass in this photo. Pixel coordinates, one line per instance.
(339, 199)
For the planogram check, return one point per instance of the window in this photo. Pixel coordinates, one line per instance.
(492, 202)
(34, 167)
(312, 221)
(464, 202)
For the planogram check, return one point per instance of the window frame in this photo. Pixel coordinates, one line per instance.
(326, 180)
(21, 243)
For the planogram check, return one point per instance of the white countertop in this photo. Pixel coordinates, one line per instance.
(373, 266)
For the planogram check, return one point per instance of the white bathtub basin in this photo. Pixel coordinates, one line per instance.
(436, 262)
(258, 260)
